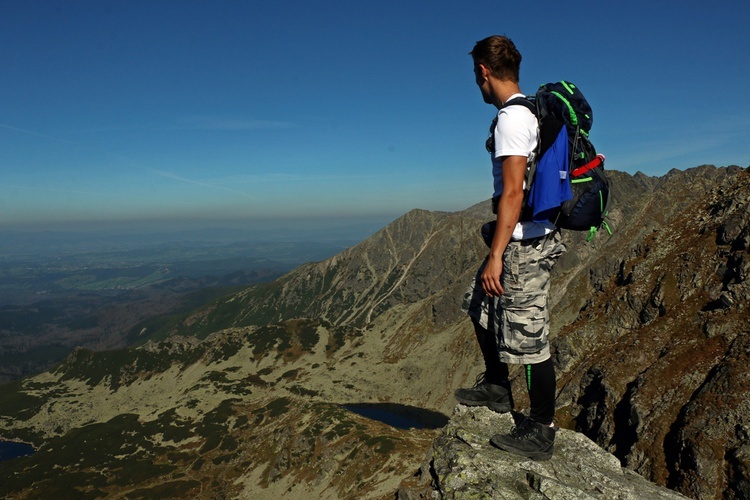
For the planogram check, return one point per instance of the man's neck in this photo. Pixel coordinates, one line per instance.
(503, 90)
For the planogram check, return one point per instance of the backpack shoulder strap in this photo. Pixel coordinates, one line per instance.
(530, 104)
(549, 126)
(522, 101)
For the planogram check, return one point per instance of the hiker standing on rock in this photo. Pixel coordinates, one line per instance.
(508, 300)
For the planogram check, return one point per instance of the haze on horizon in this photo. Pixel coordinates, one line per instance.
(194, 114)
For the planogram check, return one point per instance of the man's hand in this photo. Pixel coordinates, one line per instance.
(491, 277)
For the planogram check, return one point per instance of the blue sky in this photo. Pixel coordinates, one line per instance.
(208, 113)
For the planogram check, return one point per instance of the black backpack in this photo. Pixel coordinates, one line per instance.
(558, 105)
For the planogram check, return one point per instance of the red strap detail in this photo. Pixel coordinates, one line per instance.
(589, 166)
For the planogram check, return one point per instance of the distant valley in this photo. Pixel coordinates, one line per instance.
(60, 291)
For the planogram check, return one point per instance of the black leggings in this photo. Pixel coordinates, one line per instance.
(540, 380)
(540, 377)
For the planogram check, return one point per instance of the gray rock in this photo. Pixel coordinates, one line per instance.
(462, 464)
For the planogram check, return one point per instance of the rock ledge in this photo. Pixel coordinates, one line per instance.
(462, 464)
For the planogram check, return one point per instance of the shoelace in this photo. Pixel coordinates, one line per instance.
(523, 429)
(480, 379)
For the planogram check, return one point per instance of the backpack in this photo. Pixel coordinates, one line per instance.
(564, 149)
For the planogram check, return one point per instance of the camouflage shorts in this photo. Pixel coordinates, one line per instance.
(520, 317)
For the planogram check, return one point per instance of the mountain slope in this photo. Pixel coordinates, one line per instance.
(651, 367)
(418, 255)
(233, 416)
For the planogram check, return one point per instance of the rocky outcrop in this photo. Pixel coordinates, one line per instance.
(462, 464)
(653, 367)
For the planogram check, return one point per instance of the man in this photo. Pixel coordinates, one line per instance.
(508, 300)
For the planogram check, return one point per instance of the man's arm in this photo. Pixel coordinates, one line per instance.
(508, 213)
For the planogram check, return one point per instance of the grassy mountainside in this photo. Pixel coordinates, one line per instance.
(243, 409)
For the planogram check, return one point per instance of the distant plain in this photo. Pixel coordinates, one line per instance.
(62, 290)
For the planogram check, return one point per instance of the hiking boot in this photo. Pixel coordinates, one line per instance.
(493, 396)
(529, 439)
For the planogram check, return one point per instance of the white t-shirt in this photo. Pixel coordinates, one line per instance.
(516, 134)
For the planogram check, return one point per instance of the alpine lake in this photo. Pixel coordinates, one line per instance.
(11, 449)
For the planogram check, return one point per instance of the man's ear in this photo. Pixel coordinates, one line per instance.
(484, 71)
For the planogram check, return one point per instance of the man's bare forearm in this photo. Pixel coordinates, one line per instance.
(508, 213)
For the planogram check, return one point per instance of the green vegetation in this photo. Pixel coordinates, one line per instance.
(332, 422)
(85, 323)
(254, 379)
(229, 443)
(224, 458)
(171, 426)
(28, 319)
(382, 444)
(17, 404)
(116, 279)
(269, 338)
(184, 488)
(341, 429)
(214, 427)
(278, 407)
(302, 391)
(224, 349)
(291, 374)
(307, 333)
(124, 366)
(241, 422)
(274, 409)
(338, 335)
(160, 327)
(95, 367)
(216, 377)
(118, 452)
(220, 313)
(220, 378)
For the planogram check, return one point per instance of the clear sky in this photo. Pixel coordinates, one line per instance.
(246, 110)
